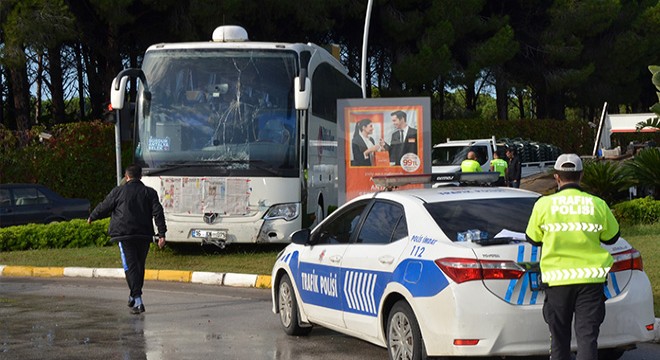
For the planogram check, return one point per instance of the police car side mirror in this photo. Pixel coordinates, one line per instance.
(300, 237)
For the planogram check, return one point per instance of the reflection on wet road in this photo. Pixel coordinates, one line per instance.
(88, 319)
(62, 327)
(64, 318)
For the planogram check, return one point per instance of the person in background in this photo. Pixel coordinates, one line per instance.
(514, 170)
(363, 144)
(499, 165)
(574, 266)
(133, 208)
(471, 164)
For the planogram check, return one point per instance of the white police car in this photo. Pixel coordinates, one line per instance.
(441, 272)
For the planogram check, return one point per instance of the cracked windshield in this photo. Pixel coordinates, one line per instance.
(228, 112)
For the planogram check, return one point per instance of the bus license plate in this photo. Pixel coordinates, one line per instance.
(212, 234)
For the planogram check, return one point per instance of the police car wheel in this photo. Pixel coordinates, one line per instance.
(404, 339)
(288, 308)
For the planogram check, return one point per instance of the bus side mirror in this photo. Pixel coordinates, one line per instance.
(301, 87)
(118, 92)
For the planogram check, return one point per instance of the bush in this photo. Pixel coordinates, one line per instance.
(78, 161)
(638, 211)
(565, 134)
(68, 234)
(607, 180)
(645, 169)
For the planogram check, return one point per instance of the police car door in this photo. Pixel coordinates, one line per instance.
(369, 262)
(318, 277)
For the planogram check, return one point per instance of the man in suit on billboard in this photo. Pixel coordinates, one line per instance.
(404, 138)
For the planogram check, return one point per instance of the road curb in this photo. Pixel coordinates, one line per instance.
(198, 277)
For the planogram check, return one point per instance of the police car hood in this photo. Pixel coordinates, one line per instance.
(524, 290)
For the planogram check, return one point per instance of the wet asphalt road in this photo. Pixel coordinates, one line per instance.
(65, 318)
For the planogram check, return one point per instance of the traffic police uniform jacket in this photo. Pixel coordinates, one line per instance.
(133, 206)
(570, 225)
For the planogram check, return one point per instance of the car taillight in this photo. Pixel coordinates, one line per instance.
(627, 260)
(462, 270)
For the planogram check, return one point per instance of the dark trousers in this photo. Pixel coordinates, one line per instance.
(587, 302)
(134, 256)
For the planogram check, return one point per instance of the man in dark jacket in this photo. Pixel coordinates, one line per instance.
(514, 171)
(133, 208)
(404, 138)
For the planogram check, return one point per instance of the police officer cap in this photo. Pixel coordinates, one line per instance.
(568, 162)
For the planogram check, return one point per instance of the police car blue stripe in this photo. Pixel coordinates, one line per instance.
(607, 291)
(513, 282)
(347, 296)
(617, 291)
(360, 291)
(428, 279)
(535, 254)
(523, 288)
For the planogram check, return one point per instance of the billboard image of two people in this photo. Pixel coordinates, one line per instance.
(382, 137)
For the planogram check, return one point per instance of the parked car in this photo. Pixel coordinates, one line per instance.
(442, 272)
(33, 203)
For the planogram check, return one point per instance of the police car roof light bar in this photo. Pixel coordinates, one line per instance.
(390, 182)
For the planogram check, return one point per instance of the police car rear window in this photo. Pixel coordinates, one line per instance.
(468, 220)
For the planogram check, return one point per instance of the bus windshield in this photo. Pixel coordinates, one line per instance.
(218, 112)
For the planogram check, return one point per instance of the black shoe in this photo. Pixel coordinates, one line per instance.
(137, 309)
(131, 302)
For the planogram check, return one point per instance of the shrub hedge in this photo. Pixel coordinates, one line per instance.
(638, 211)
(75, 233)
(78, 160)
(570, 136)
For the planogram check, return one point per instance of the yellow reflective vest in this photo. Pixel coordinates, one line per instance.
(499, 165)
(469, 165)
(570, 225)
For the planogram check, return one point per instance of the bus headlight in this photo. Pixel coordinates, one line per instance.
(287, 212)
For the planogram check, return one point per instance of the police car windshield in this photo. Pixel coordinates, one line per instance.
(488, 216)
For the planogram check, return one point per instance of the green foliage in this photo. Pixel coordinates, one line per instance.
(607, 180)
(570, 136)
(77, 161)
(655, 78)
(645, 169)
(638, 211)
(653, 122)
(69, 234)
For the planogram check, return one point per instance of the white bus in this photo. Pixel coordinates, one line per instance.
(239, 138)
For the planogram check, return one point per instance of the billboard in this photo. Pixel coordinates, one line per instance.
(383, 136)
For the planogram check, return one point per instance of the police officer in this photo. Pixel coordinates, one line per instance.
(499, 165)
(471, 164)
(570, 226)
